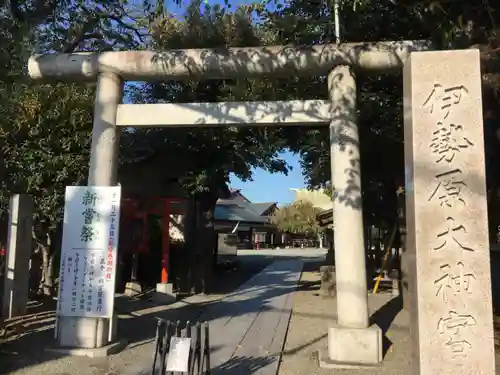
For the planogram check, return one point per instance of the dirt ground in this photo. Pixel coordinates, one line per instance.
(23, 344)
(307, 332)
(22, 351)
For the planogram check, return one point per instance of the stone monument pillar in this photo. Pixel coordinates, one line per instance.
(351, 340)
(447, 239)
(17, 264)
(83, 332)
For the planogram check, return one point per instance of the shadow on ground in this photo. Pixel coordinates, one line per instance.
(384, 317)
(138, 317)
(243, 365)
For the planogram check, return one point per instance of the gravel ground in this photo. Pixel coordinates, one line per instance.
(307, 332)
(26, 354)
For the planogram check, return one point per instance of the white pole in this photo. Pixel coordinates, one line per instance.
(350, 263)
(337, 21)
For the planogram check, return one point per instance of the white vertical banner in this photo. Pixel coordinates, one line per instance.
(89, 251)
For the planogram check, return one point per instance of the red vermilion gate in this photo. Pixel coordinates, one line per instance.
(140, 209)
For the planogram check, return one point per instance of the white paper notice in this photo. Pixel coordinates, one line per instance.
(89, 251)
(178, 355)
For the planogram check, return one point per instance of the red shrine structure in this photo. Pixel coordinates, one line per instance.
(133, 210)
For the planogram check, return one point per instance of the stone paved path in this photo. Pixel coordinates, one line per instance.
(248, 327)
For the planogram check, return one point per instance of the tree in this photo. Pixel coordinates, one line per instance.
(83, 25)
(41, 157)
(209, 155)
(298, 218)
(458, 24)
(45, 133)
(45, 130)
(379, 109)
(44, 150)
(220, 151)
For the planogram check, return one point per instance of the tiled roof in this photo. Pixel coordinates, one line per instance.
(241, 211)
(262, 207)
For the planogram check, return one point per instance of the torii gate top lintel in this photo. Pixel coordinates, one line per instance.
(222, 63)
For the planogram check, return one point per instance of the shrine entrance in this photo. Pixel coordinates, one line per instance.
(337, 62)
(145, 246)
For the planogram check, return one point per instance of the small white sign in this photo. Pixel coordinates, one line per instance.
(89, 251)
(178, 355)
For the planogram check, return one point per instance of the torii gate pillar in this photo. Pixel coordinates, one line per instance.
(84, 332)
(351, 339)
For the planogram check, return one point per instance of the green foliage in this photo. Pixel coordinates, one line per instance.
(217, 151)
(45, 129)
(84, 25)
(297, 218)
(44, 132)
(447, 23)
(379, 104)
(46, 144)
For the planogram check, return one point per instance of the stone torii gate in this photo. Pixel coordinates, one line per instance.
(351, 338)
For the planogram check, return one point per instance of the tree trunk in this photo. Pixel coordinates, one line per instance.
(46, 246)
(330, 255)
(46, 283)
(206, 240)
(49, 276)
(186, 258)
(216, 250)
(134, 266)
(47, 267)
(379, 251)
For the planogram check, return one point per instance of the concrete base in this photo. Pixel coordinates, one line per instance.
(327, 363)
(132, 288)
(85, 333)
(355, 346)
(164, 293)
(104, 351)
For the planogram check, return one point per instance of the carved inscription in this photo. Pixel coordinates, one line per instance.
(454, 327)
(449, 188)
(447, 142)
(451, 235)
(442, 99)
(453, 281)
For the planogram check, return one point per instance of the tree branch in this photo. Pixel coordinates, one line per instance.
(117, 19)
(80, 39)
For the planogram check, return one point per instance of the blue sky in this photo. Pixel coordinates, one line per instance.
(268, 187)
